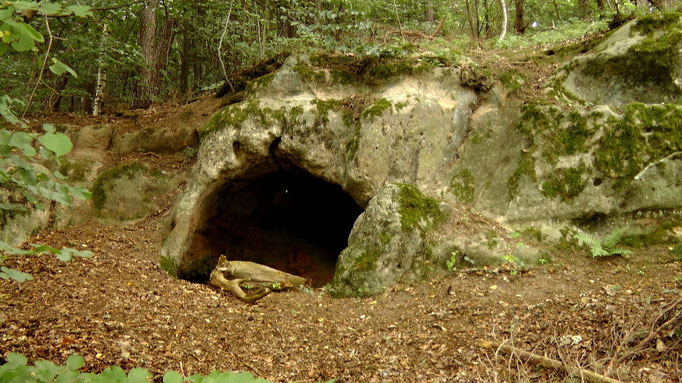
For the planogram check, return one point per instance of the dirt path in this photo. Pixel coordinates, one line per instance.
(119, 308)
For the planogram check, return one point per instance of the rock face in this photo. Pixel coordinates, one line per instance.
(362, 126)
(125, 193)
(443, 163)
(639, 62)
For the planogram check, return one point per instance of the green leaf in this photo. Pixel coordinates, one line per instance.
(23, 43)
(16, 359)
(49, 128)
(172, 377)
(115, 374)
(59, 175)
(5, 137)
(23, 141)
(138, 375)
(68, 377)
(12, 207)
(196, 378)
(60, 68)
(6, 13)
(81, 193)
(7, 273)
(66, 254)
(42, 249)
(49, 8)
(80, 10)
(23, 29)
(45, 370)
(11, 250)
(58, 143)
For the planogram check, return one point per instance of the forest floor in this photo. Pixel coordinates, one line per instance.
(611, 315)
(119, 308)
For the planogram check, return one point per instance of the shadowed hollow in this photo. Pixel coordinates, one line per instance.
(295, 223)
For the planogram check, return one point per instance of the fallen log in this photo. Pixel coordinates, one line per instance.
(550, 363)
(229, 275)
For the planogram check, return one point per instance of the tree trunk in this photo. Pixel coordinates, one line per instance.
(472, 15)
(556, 10)
(429, 11)
(101, 78)
(519, 23)
(155, 50)
(486, 17)
(504, 19)
(600, 5)
(144, 90)
(185, 60)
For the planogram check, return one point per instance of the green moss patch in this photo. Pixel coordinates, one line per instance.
(99, 196)
(462, 186)
(644, 134)
(377, 109)
(566, 183)
(241, 79)
(169, 265)
(661, 234)
(417, 209)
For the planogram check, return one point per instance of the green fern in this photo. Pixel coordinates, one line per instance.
(606, 247)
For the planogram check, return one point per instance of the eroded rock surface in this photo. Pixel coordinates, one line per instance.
(640, 62)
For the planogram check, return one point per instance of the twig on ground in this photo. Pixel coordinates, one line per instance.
(548, 362)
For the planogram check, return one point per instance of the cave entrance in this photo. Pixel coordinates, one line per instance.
(293, 222)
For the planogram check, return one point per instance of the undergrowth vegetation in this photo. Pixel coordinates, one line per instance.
(18, 370)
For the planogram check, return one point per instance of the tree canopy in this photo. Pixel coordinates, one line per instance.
(112, 55)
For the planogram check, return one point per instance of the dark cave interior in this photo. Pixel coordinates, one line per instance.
(287, 220)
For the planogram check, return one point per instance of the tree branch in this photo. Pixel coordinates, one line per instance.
(548, 362)
(42, 69)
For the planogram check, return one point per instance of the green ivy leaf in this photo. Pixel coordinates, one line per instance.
(80, 10)
(58, 143)
(7, 273)
(172, 377)
(60, 68)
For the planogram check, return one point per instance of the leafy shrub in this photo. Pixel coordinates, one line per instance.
(606, 247)
(17, 370)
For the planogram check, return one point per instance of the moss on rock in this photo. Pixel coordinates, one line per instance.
(169, 265)
(99, 196)
(418, 210)
(462, 186)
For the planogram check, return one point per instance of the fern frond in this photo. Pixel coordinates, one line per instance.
(588, 239)
(614, 237)
(598, 251)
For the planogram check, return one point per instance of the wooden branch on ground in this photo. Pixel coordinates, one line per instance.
(549, 362)
(229, 275)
